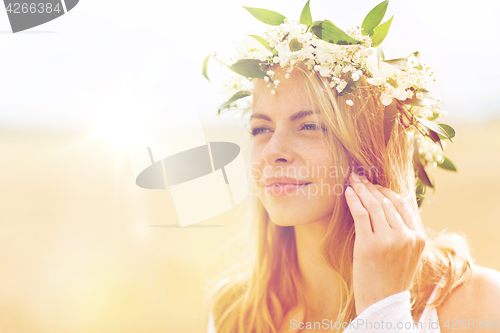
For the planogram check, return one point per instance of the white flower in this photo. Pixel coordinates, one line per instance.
(386, 99)
(375, 81)
(357, 75)
(324, 71)
(349, 102)
(341, 85)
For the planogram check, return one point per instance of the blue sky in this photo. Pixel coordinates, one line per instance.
(111, 60)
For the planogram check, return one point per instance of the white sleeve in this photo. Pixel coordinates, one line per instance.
(211, 327)
(391, 314)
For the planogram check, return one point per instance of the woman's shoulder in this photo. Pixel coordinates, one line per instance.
(475, 302)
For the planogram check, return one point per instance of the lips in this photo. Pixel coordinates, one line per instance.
(279, 189)
(284, 181)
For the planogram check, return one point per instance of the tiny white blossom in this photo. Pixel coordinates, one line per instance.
(349, 102)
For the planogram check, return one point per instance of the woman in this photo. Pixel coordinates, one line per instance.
(336, 222)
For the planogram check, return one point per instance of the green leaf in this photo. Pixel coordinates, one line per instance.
(432, 126)
(419, 193)
(305, 16)
(249, 68)
(378, 34)
(424, 176)
(328, 32)
(266, 16)
(238, 95)
(391, 112)
(435, 138)
(419, 168)
(350, 86)
(447, 165)
(449, 130)
(205, 66)
(374, 17)
(265, 43)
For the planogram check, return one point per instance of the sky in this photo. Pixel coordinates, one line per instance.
(124, 63)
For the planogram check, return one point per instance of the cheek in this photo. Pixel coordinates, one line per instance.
(255, 161)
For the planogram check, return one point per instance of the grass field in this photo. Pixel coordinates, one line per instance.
(83, 249)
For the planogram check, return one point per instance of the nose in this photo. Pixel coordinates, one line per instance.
(278, 149)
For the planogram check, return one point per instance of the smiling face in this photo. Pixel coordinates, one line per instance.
(288, 142)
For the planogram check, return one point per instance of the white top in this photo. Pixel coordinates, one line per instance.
(391, 314)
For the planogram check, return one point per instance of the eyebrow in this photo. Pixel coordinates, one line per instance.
(293, 117)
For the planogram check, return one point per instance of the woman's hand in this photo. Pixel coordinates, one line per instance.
(388, 242)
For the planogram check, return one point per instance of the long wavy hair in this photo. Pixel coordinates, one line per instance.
(256, 297)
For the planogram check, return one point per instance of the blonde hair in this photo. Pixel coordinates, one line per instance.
(257, 297)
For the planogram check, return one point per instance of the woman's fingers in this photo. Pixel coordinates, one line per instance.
(359, 213)
(391, 213)
(402, 206)
(371, 204)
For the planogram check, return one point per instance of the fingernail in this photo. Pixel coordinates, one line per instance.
(355, 177)
(378, 186)
(364, 179)
(349, 191)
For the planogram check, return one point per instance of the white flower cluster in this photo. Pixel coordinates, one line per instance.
(427, 149)
(402, 79)
(401, 82)
(293, 42)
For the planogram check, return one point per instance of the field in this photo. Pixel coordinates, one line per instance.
(83, 249)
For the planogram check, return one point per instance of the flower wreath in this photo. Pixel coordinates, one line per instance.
(343, 57)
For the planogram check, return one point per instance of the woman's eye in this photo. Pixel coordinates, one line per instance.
(309, 127)
(257, 130)
(313, 127)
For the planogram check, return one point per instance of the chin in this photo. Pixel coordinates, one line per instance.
(286, 212)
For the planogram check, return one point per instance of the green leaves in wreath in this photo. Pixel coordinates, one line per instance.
(449, 130)
(374, 17)
(266, 16)
(371, 24)
(420, 172)
(305, 16)
(328, 32)
(237, 96)
(249, 68)
(264, 43)
(350, 86)
(419, 193)
(378, 34)
(205, 66)
(446, 164)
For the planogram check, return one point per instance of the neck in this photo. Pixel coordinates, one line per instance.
(319, 284)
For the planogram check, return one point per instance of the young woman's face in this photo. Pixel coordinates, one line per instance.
(287, 143)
